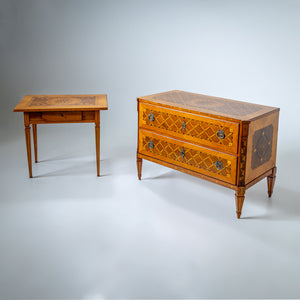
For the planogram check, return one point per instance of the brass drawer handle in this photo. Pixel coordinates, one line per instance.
(182, 153)
(151, 145)
(151, 117)
(218, 165)
(221, 134)
(183, 125)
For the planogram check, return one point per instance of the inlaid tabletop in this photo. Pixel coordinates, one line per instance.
(211, 105)
(62, 103)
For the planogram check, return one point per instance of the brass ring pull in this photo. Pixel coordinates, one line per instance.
(150, 144)
(151, 117)
(183, 125)
(182, 153)
(218, 165)
(221, 134)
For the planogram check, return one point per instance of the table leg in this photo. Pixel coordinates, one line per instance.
(97, 136)
(271, 181)
(28, 142)
(34, 131)
(239, 200)
(139, 163)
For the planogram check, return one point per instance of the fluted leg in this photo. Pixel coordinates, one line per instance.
(97, 138)
(139, 162)
(34, 131)
(271, 181)
(239, 200)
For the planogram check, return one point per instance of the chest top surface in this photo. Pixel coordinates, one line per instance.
(62, 103)
(210, 105)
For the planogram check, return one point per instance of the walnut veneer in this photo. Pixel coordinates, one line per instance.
(228, 142)
(50, 109)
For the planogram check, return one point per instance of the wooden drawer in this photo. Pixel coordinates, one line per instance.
(62, 116)
(190, 156)
(215, 133)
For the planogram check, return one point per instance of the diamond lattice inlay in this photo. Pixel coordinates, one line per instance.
(193, 128)
(191, 157)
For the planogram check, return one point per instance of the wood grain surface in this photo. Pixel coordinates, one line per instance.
(238, 110)
(31, 103)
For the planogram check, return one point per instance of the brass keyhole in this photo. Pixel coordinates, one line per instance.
(182, 153)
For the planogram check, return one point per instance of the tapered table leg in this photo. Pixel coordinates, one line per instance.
(97, 137)
(239, 200)
(139, 163)
(271, 181)
(28, 142)
(34, 131)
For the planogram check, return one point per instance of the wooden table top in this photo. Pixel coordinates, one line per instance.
(32, 103)
(210, 105)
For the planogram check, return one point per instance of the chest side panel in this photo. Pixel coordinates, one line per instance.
(262, 146)
(205, 161)
(215, 133)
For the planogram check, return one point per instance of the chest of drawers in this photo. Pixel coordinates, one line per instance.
(228, 142)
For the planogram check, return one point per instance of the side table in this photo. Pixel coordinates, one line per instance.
(49, 109)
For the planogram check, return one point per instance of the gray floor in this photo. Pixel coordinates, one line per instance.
(68, 234)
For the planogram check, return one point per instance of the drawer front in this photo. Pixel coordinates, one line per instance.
(215, 133)
(62, 116)
(202, 160)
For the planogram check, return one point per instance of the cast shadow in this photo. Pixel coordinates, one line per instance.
(283, 205)
(76, 169)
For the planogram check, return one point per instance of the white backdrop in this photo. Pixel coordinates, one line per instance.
(243, 50)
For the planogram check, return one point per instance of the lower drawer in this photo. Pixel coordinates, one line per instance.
(202, 160)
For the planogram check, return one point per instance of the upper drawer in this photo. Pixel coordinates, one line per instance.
(215, 133)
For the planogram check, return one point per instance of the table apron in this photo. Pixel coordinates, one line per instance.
(48, 117)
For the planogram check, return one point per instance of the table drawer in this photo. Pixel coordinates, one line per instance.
(62, 116)
(190, 156)
(55, 116)
(215, 133)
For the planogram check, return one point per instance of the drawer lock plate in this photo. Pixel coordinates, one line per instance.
(182, 153)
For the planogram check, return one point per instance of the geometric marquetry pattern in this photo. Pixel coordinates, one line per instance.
(262, 146)
(212, 104)
(195, 128)
(62, 100)
(191, 157)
